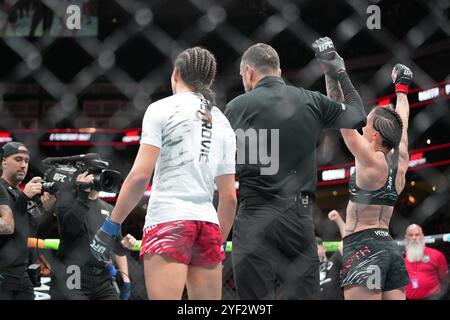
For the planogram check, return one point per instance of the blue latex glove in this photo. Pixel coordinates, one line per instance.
(125, 291)
(112, 269)
(124, 287)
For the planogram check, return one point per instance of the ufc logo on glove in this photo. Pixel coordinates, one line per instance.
(326, 45)
(408, 73)
(97, 247)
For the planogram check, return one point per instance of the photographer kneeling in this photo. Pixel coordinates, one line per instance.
(78, 275)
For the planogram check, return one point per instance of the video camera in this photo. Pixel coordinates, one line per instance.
(66, 169)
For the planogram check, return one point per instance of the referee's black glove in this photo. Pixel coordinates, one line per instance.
(103, 242)
(330, 61)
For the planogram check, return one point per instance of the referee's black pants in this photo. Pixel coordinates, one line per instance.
(275, 251)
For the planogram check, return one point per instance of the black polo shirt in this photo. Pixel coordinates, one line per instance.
(14, 247)
(297, 116)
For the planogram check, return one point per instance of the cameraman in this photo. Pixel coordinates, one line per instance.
(16, 221)
(78, 274)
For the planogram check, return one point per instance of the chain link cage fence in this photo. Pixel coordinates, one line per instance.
(68, 90)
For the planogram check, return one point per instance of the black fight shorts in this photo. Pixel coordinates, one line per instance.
(373, 259)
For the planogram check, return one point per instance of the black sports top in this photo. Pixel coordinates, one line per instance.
(386, 195)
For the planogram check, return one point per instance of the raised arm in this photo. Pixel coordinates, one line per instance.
(402, 77)
(355, 142)
(402, 109)
(339, 87)
(334, 89)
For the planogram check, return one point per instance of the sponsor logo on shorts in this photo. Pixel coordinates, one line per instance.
(358, 255)
(382, 233)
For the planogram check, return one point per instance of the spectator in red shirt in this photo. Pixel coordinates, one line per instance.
(427, 267)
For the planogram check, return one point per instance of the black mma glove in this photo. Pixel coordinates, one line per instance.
(330, 61)
(103, 242)
(403, 79)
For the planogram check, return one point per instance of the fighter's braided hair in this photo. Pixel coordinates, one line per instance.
(197, 67)
(390, 126)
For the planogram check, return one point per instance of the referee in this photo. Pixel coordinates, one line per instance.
(273, 236)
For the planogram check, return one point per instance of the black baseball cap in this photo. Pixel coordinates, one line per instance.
(11, 148)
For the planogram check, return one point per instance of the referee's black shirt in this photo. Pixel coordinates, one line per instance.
(299, 115)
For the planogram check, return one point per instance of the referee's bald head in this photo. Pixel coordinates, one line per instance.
(263, 58)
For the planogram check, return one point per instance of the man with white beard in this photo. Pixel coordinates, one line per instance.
(427, 267)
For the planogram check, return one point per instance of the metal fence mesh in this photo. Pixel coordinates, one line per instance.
(72, 80)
